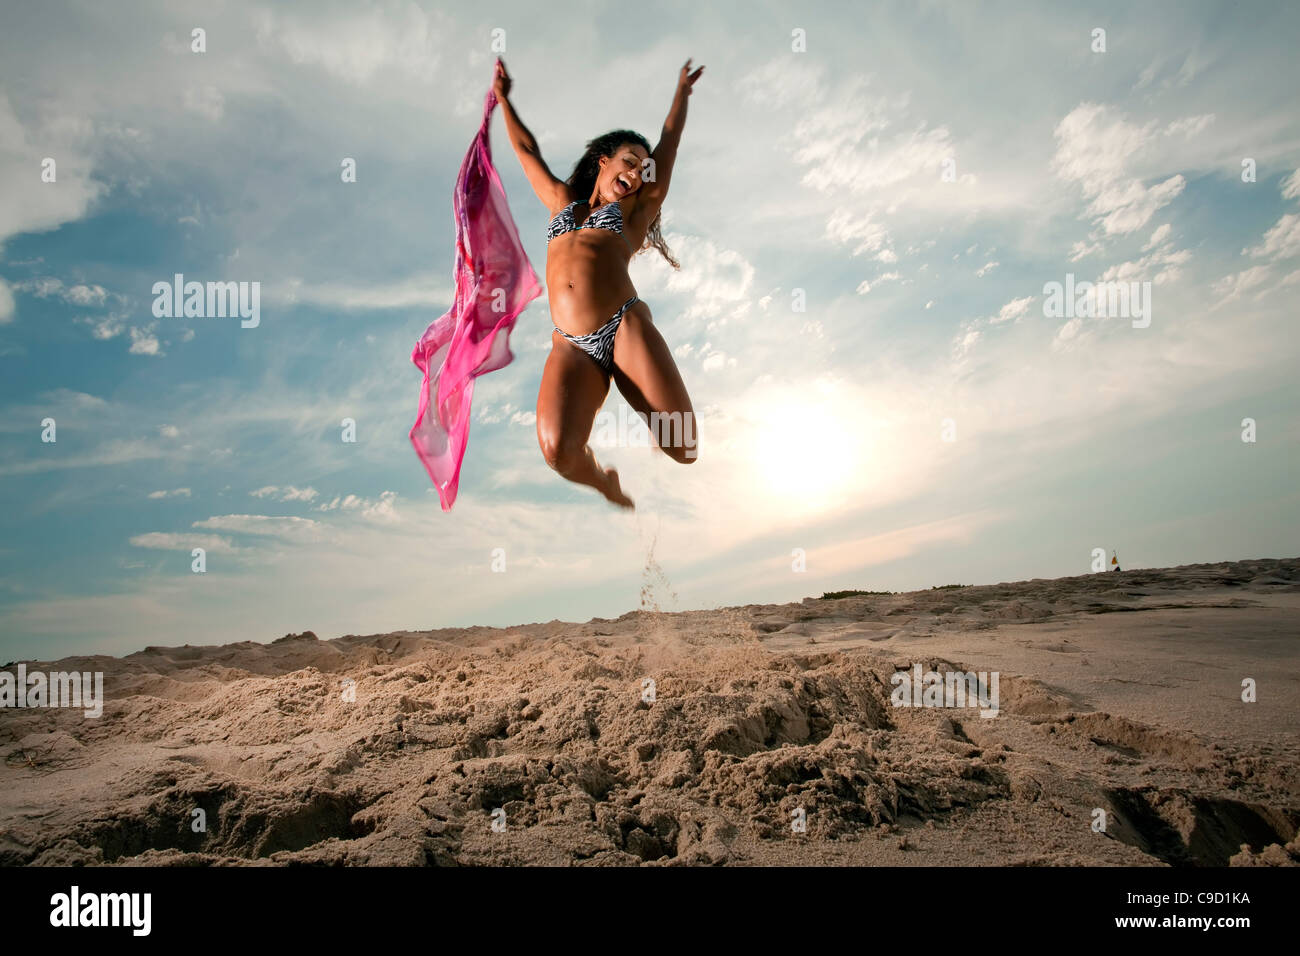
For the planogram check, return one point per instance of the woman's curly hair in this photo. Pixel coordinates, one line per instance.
(583, 180)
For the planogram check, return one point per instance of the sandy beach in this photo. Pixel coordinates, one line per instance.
(756, 735)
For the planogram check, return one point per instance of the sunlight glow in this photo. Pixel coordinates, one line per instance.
(810, 451)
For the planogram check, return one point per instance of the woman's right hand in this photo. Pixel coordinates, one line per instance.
(686, 79)
(501, 85)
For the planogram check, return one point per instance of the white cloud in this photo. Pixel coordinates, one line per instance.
(715, 361)
(714, 281)
(1068, 331)
(86, 295)
(1158, 237)
(1081, 249)
(780, 82)
(74, 399)
(109, 453)
(381, 508)
(1161, 266)
(965, 342)
(81, 294)
(42, 287)
(144, 342)
(1281, 241)
(166, 541)
(168, 431)
(1189, 126)
(91, 295)
(864, 287)
(1095, 148)
(850, 226)
(861, 144)
(1015, 309)
(402, 42)
(26, 203)
(426, 289)
(1291, 186)
(1233, 286)
(1192, 64)
(6, 302)
(985, 269)
(489, 414)
(280, 527)
(285, 493)
(853, 141)
(174, 493)
(106, 327)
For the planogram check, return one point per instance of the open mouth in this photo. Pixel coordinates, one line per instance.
(623, 185)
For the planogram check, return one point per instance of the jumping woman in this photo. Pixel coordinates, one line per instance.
(606, 212)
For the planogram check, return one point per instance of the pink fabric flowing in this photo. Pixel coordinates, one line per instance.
(494, 282)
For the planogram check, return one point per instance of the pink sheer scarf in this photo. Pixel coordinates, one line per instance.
(494, 282)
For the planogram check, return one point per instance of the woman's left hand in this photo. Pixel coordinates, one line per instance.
(686, 79)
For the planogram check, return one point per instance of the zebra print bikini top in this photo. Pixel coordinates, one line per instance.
(608, 216)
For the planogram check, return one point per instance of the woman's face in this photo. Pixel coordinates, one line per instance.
(620, 174)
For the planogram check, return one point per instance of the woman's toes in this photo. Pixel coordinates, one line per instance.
(614, 492)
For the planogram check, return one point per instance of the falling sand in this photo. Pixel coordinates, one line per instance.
(1120, 738)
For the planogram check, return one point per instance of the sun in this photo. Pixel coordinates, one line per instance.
(808, 450)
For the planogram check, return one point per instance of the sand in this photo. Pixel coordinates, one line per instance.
(1120, 695)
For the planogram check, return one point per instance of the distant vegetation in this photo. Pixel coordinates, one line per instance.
(832, 595)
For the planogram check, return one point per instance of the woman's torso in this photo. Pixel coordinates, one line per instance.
(586, 268)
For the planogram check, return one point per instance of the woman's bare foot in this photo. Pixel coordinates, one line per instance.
(614, 493)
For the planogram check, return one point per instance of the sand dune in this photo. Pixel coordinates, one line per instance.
(1119, 692)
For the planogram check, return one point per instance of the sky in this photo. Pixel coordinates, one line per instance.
(870, 206)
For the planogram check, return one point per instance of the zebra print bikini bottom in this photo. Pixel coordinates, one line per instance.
(600, 344)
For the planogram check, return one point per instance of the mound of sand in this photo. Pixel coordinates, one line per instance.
(767, 736)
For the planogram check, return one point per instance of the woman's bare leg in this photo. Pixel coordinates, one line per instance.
(646, 374)
(573, 389)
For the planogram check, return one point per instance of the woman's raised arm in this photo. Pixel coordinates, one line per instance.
(665, 154)
(553, 192)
